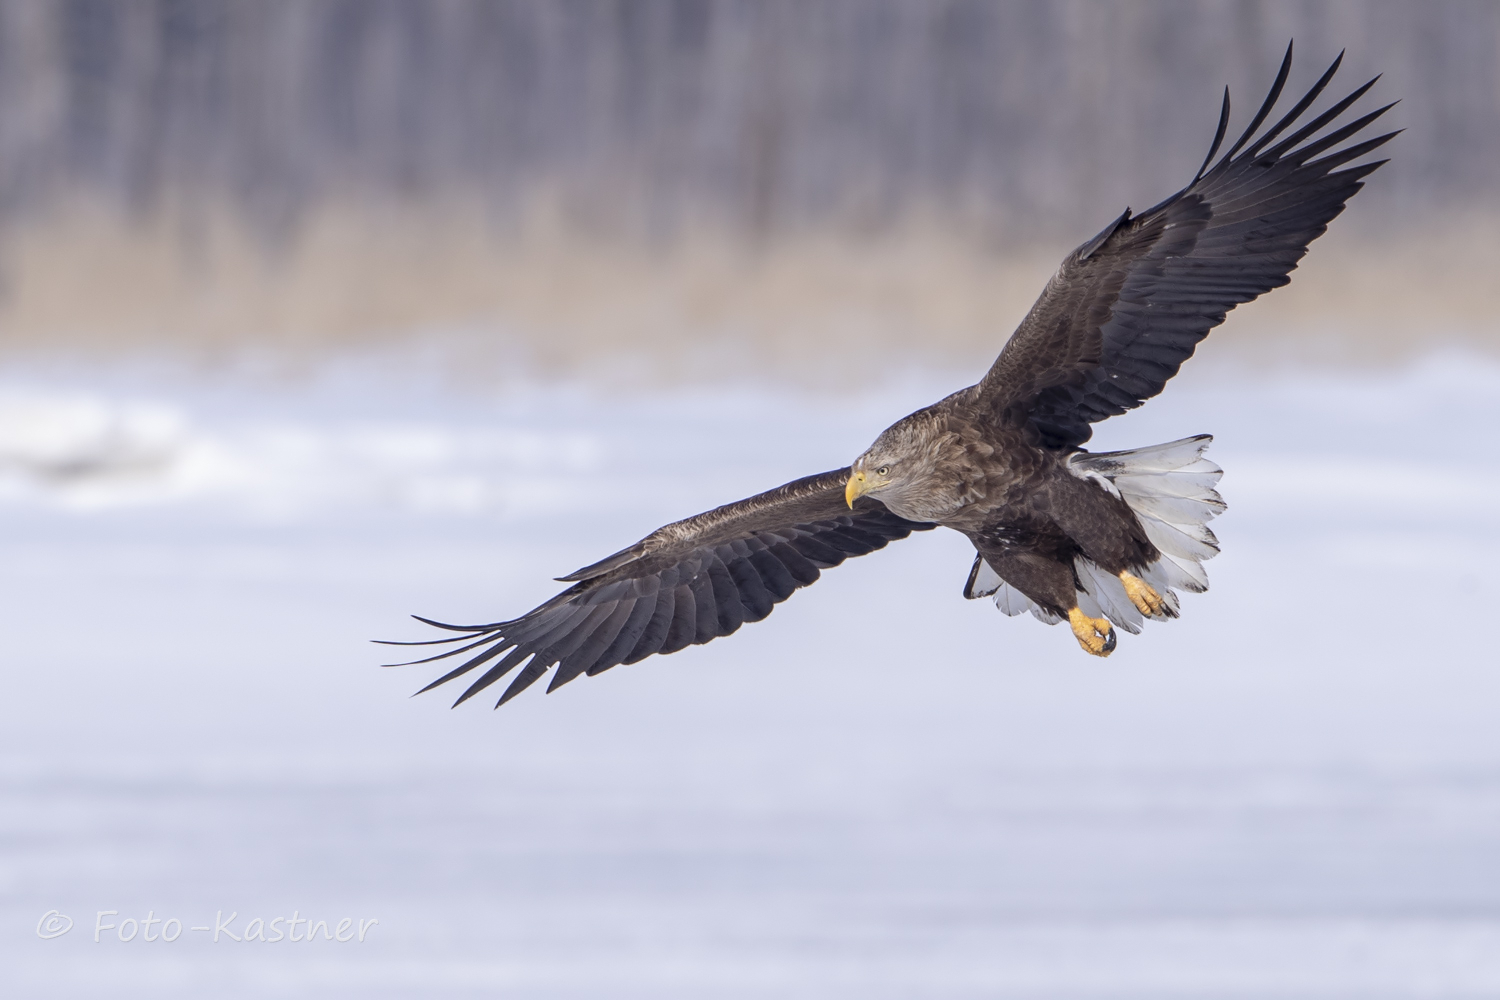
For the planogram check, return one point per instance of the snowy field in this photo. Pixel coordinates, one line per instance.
(881, 791)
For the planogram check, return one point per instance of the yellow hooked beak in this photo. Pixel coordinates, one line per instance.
(856, 487)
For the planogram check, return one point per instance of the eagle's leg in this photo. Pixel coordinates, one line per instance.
(1095, 635)
(1040, 565)
(1144, 596)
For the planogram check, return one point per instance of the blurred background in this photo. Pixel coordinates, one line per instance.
(588, 182)
(315, 314)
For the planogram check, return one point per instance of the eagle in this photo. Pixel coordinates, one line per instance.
(1102, 541)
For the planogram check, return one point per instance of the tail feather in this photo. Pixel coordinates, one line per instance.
(1171, 573)
(1106, 594)
(985, 582)
(1173, 540)
(1185, 513)
(1011, 601)
(1170, 487)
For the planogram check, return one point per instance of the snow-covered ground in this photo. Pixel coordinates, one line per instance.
(881, 791)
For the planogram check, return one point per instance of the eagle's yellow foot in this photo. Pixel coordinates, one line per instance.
(1144, 596)
(1095, 635)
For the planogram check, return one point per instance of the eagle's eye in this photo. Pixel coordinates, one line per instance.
(884, 470)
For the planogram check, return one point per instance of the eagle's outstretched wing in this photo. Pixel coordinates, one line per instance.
(683, 584)
(1128, 307)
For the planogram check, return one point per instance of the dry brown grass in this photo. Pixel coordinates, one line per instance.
(820, 307)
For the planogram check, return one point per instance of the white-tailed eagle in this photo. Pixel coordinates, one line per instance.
(1101, 541)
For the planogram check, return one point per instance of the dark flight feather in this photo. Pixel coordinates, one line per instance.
(1129, 307)
(685, 584)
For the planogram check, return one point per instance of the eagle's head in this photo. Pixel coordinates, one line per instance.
(902, 469)
(871, 472)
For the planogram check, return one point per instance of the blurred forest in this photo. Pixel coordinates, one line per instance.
(635, 176)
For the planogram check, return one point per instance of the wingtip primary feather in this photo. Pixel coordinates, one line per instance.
(440, 656)
(443, 656)
(418, 642)
(462, 628)
(1272, 96)
(470, 664)
(527, 677)
(1297, 109)
(1218, 136)
(1290, 142)
(1317, 147)
(493, 674)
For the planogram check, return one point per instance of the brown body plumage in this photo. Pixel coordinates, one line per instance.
(963, 466)
(1095, 539)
